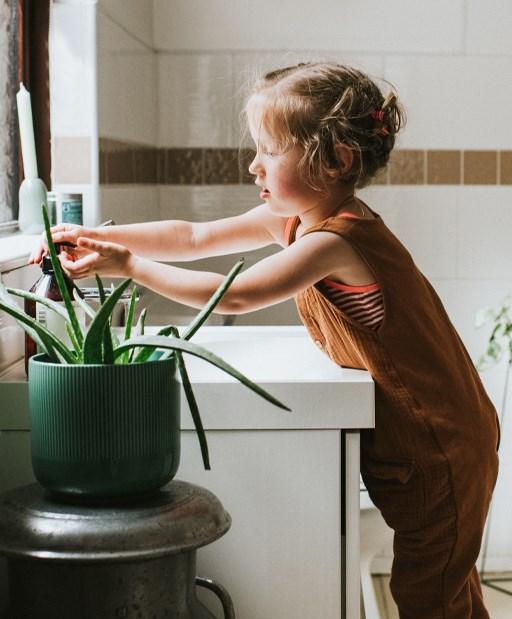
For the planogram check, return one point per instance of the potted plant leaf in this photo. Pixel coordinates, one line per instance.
(105, 411)
(499, 344)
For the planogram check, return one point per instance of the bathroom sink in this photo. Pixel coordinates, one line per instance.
(289, 365)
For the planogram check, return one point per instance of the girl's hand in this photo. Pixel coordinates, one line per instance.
(63, 233)
(100, 258)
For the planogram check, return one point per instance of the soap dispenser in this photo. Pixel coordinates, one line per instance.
(46, 286)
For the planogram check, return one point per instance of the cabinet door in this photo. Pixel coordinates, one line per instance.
(282, 556)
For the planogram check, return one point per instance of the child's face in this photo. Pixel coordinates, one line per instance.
(277, 174)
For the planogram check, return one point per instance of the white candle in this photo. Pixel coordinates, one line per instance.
(28, 146)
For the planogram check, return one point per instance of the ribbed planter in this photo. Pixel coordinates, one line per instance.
(104, 430)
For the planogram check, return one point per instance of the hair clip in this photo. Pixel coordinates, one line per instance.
(382, 131)
(389, 100)
(378, 115)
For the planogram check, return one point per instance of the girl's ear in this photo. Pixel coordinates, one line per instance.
(345, 159)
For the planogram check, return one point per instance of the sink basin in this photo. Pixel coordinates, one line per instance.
(286, 363)
(263, 353)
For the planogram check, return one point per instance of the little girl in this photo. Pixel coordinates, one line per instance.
(321, 131)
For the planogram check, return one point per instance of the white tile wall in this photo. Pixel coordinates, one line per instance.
(71, 161)
(352, 25)
(462, 300)
(199, 203)
(71, 70)
(453, 102)
(489, 25)
(485, 222)
(127, 85)
(133, 16)
(129, 203)
(195, 100)
(500, 553)
(425, 221)
(113, 37)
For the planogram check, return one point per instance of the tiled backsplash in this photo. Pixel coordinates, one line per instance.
(130, 163)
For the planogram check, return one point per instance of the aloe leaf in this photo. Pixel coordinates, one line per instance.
(61, 282)
(148, 353)
(157, 341)
(194, 411)
(107, 345)
(139, 329)
(131, 314)
(107, 335)
(115, 340)
(55, 307)
(4, 296)
(83, 304)
(141, 323)
(101, 289)
(30, 296)
(129, 322)
(50, 344)
(213, 302)
(92, 349)
(72, 339)
(210, 305)
(192, 404)
(115, 343)
(163, 354)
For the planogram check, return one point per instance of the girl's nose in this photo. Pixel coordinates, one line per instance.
(255, 166)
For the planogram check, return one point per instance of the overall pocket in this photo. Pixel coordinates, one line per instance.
(397, 488)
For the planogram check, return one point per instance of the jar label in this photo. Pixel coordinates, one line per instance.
(72, 211)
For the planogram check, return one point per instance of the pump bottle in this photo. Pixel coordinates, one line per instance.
(46, 286)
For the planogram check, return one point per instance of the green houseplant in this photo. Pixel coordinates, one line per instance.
(499, 344)
(105, 410)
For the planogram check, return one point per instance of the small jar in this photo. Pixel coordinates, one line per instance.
(71, 205)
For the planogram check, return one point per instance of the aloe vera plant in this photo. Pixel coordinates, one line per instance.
(99, 344)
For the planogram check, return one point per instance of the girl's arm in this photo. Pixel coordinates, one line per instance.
(177, 240)
(272, 280)
(184, 240)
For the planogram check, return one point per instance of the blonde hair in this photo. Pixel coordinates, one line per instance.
(321, 105)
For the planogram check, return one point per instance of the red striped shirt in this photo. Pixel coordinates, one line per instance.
(363, 304)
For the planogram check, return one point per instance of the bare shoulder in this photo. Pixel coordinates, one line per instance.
(347, 266)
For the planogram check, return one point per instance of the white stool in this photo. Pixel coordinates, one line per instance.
(375, 534)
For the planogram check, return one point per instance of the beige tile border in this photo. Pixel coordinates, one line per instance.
(480, 167)
(128, 163)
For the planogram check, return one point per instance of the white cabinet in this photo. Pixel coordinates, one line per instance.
(281, 557)
(290, 480)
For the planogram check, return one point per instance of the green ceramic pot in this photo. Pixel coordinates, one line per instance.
(104, 430)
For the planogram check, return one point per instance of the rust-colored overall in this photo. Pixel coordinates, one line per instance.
(430, 464)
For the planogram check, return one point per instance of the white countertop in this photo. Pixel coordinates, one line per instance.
(282, 359)
(15, 250)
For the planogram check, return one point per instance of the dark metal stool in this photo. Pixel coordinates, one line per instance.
(132, 560)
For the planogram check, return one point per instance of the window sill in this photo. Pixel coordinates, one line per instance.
(15, 250)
